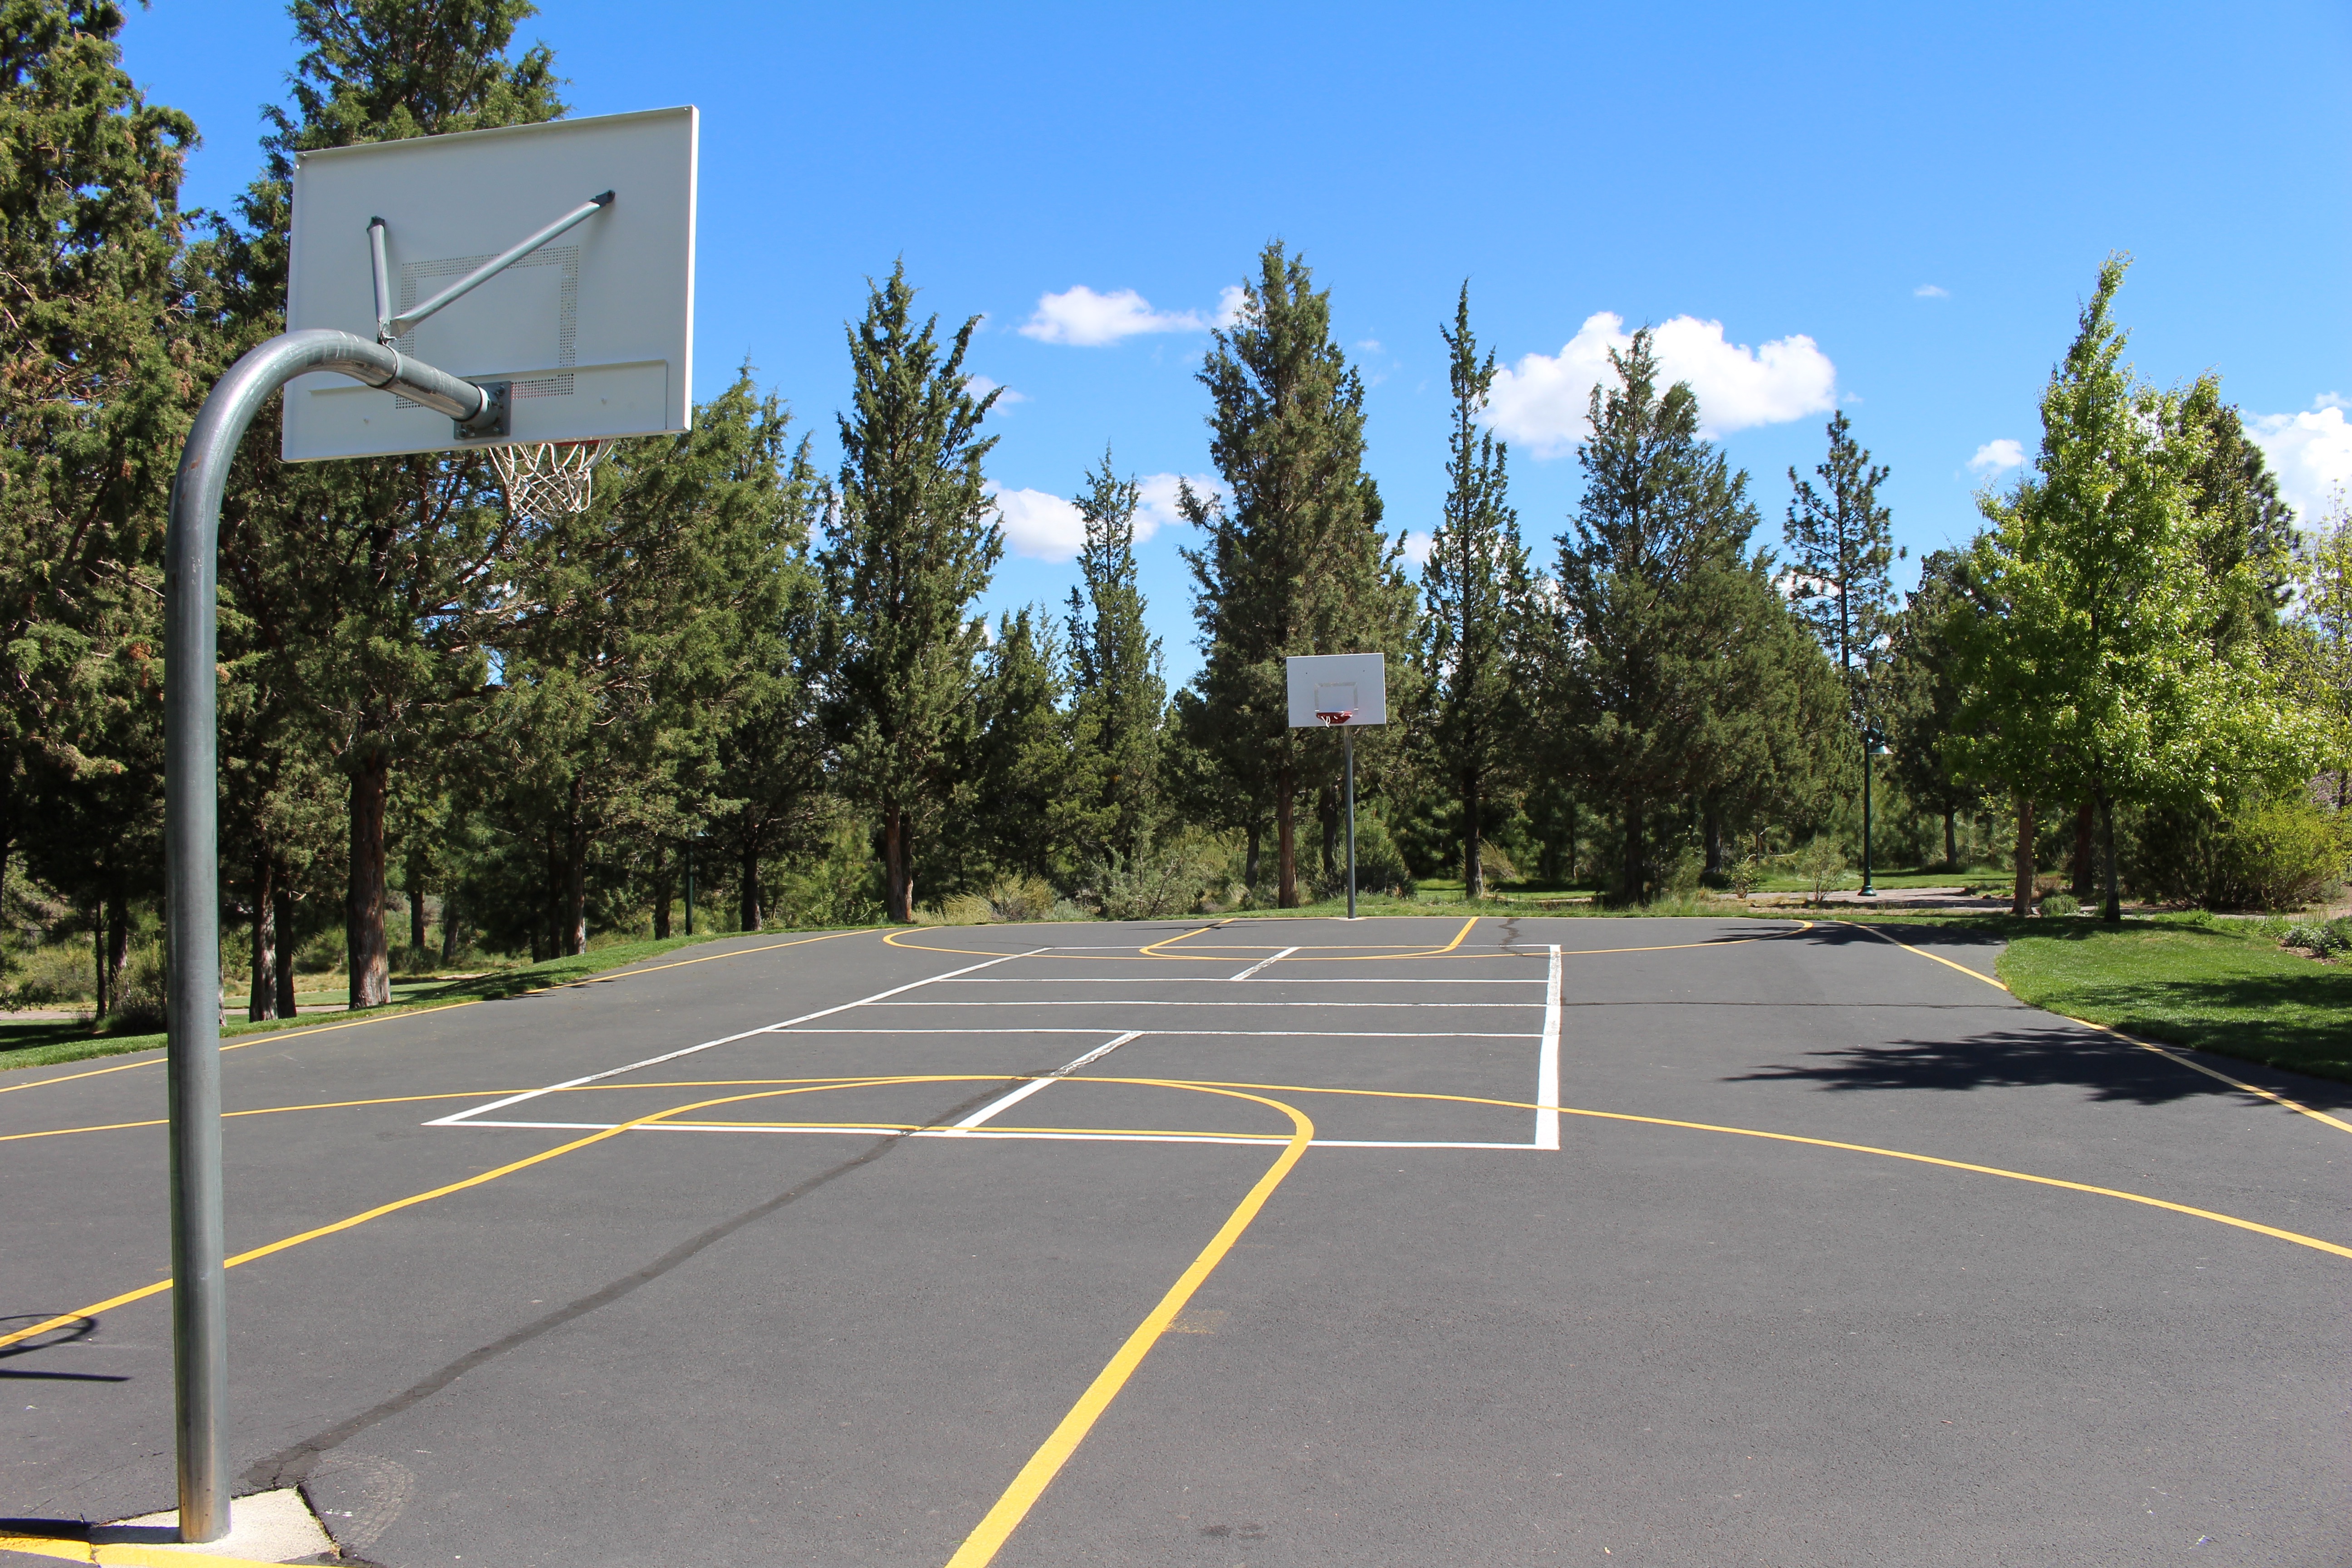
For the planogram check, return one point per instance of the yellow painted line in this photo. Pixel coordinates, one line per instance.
(2253, 1089)
(2296, 1236)
(267, 1036)
(122, 1555)
(998, 1524)
(263, 1110)
(1153, 949)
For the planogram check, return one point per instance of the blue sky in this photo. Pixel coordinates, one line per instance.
(1895, 208)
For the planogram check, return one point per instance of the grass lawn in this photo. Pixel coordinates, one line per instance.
(42, 1042)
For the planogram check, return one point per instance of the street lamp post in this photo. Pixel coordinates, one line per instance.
(1874, 744)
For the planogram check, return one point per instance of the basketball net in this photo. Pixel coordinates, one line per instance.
(550, 478)
(1335, 716)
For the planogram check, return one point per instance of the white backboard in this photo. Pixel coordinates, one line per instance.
(594, 331)
(1356, 684)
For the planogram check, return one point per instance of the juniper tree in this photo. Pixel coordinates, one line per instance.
(1022, 764)
(367, 575)
(1476, 596)
(1111, 802)
(1655, 587)
(1295, 559)
(911, 542)
(95, 393)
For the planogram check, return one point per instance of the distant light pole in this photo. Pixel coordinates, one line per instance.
(1874, 744)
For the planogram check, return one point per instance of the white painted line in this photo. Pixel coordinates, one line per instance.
(1174, 1034)
(988, 1112)
(1262, 962)
(1164, 979)
(457, 1117)
(1547, 1064)
(1005, 1134)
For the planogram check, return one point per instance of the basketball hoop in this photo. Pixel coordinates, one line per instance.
(1334, 717)
(550, 478)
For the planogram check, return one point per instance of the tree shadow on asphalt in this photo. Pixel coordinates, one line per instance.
(2023, 1057)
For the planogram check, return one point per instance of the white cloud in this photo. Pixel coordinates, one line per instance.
(1230, 301)
(1044, 527)
(1040, 525)
(1931, 291)
(1087, 320)
(1540, 401)
(2310, 452)
(1417, 546)
(982, 385)
(1369, 346)
(1994, 457)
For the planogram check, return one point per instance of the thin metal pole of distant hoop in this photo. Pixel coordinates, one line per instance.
(192, 869)
(1348, 734)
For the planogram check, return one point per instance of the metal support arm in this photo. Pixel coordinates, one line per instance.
(192, 867)
(388, 326)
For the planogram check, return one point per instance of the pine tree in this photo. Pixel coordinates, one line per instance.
(1653, 590)
(1119, 696)
(1296, 561)
(1477, 598)
(367, 576)
(1922, 696)
(95, 395)
(1841, 546)
(911, 544)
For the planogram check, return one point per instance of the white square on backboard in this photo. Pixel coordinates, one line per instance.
(594, 330)
(1352, 683)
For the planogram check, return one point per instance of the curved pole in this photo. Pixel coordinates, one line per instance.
(192, 866)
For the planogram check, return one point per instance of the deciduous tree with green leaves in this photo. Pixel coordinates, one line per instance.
(2092, 662)
(911, 544)
(1477, 599)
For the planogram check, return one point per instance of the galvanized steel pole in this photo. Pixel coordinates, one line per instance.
(1349, 735)
(192, 864)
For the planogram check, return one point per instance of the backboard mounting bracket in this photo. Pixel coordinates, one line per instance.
(389, 327)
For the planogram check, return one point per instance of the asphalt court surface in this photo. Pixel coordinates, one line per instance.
(1259, 1242)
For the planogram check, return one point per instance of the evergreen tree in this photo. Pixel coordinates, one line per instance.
(1112, 801)
(1922, 696)
(1841, 546)
(1022, 765)
(912, 545)
(1651, 595)
(368, 574)
(2323, 655)
(95, 397)
(1477, 599)
(1295, 559)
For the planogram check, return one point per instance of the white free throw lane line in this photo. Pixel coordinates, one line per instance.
(1005, 1134)
(1548, 1063)
(1145, 1001)
(458, 1118)
(1262, 962)
(988, 1112)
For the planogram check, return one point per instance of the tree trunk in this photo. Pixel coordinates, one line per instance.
(575, 881)
(898, 883)
(2085, 868)
(661, 895)
(1630, 872)
(1286, 841)
(1473, 874)
(751, 886)
(263, 1005)
(1951, 840)
(364, 942)
(288, 941)
(551, 895)
(1711, 828)
(1250, 863)
(2021, 899)
(2114, 912)
(415, 916)
(97, 965)
(449, 930)
(1326, 814)
(118, 945)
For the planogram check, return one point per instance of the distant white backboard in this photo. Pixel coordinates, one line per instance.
(1356, 684)
(595, 331)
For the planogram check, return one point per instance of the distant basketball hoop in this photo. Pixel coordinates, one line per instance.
(1335, 716)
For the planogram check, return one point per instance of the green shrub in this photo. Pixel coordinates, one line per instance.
(1821, 864)
(54, 975)
(1024, 898)
(1160, 881)
(2061, 904)
(139, 1004)
(1379, 867)
(2260, 854)
(2326, 938)
(966, 909)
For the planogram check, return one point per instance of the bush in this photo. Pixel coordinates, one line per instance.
(2261, 853)
(1821, 864)
(1027, 898)
(2326, 938)
(1495, 865)
(139, 1008)
(2060, 904)
(51, 975)
(1160, 881)
(1379, 867)
(966, 909)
